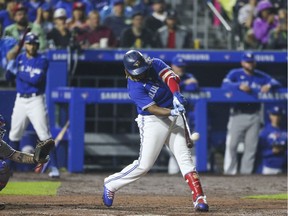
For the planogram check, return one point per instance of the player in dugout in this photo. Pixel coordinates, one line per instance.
(154, 88)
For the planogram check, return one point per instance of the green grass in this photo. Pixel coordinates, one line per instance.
(283, 196)
(31, 188)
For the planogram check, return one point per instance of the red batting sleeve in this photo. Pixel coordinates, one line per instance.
(171, 79)
(173, 85)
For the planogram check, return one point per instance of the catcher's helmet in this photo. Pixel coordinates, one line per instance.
(2, 124)
(31, 38)
(135, 63)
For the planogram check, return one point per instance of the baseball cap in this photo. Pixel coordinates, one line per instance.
(46, 6)
(59, 12)
(248, 57)
(19, 7)
(172, 14)
(276, 110)
(137, 13)
(158, 1)
(115, 2)
(178, 61)
(78, 5)
(263, 5)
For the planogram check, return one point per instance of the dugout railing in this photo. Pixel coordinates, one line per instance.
(77, 98)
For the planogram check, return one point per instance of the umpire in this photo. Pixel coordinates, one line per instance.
(244, 120)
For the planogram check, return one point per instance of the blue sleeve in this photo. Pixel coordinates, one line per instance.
(9, 76)
(38, 75)
(159, 66)
(1, 16)
(11, 69)
(264, 144)
(190, 87)
(270, 80)
(140, 97)
(230, 82)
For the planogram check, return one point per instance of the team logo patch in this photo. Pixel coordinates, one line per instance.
(137, 63)
(195, 176)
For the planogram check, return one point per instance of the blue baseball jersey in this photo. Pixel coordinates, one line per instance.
(5, 19)
(270, 136)
(190, 87)
(236, 77)
(30, 74)
(151, 90)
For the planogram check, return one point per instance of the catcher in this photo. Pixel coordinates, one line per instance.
(40, 156)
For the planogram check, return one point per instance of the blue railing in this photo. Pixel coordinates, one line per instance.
(77, 98)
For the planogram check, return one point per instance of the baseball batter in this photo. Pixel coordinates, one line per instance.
(7, 152)
(153, 87)
(29, 70)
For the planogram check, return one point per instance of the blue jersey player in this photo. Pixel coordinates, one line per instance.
(244, 121)
(273, 143)
(29, 70)
(154, 89)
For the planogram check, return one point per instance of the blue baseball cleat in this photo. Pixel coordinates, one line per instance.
(201, 204)
(108, 197)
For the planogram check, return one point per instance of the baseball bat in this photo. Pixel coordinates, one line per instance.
(190, 138)
(42, 167)
(21, 42)
(187, 133)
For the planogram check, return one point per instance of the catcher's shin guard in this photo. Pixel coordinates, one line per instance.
(199, 199)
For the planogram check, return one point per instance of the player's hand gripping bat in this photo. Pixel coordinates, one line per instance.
(190, 138)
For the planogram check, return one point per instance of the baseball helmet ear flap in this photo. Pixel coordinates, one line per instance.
(135, 63)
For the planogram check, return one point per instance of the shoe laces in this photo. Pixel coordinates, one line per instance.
(200, 199)
(110, 194)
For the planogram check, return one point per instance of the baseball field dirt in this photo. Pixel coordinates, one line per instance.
(154, 194)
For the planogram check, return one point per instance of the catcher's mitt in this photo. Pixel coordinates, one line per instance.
(42, 150)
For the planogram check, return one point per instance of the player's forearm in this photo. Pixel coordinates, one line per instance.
(159, 111)
(22, 157)
(12, 53)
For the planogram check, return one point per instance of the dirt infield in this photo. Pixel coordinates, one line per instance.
(155, 194)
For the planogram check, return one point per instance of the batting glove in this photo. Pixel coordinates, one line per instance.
(177, 111)
(178, 100)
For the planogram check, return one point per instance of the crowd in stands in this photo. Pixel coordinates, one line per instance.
(259, 24)
(96, 24)
(137, 23)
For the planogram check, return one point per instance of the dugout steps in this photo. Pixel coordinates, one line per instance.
(105, 151)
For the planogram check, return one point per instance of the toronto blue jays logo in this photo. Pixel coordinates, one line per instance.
(137, 63)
